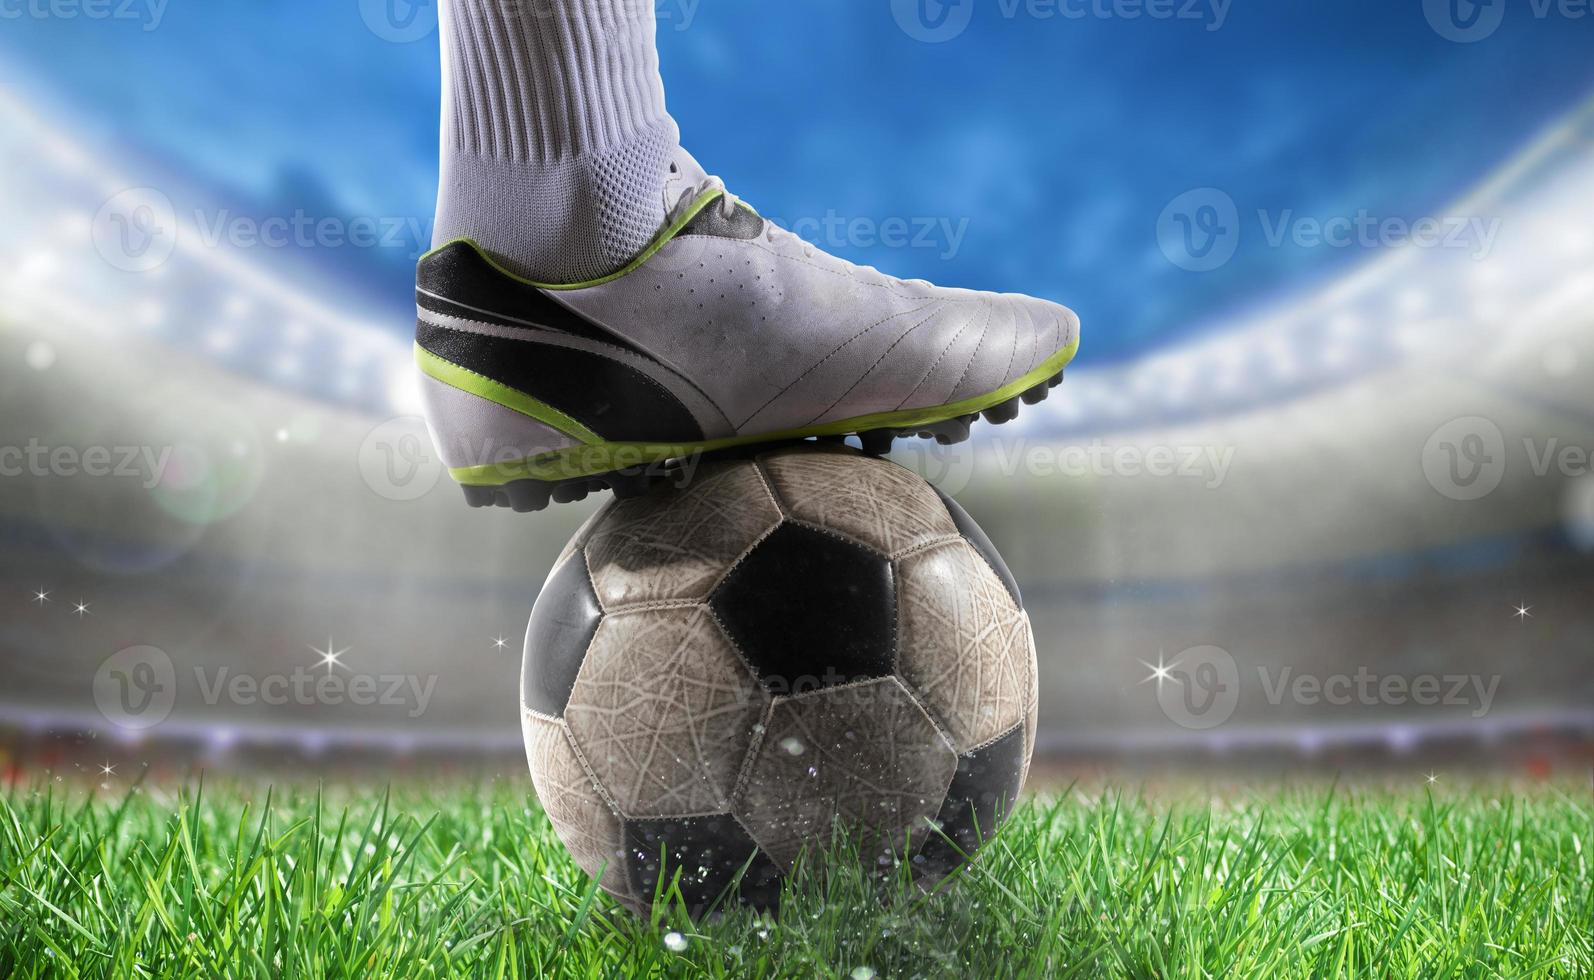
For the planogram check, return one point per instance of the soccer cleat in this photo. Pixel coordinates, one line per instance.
(726, 332)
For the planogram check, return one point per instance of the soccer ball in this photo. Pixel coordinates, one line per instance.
(722, 677)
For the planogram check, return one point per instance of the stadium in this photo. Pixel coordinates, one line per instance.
(1338, 522)
(1254, 536)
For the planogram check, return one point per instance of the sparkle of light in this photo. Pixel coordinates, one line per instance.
(330, 657)
(1160, 671)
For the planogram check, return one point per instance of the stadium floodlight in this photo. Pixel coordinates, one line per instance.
(60, 186)
(1418, 296)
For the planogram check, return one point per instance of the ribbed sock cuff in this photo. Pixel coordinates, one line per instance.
(555, 135)
(541, 81)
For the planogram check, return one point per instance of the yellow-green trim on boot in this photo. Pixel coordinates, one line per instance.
(470, 381)
(664, 237)
(596, 455)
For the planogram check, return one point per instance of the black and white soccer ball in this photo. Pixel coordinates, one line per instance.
(719, 677)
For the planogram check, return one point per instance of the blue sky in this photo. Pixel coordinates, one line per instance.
(1043, 146)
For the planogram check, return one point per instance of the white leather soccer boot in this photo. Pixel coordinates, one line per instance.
(727, 331)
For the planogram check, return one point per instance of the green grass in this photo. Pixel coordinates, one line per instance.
(1290, 881)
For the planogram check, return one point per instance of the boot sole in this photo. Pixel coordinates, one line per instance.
(531, 494)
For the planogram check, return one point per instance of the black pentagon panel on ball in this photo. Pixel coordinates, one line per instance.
(975, 535)
(714, 856)
(562, 625)
(810, 610)
(981, 796)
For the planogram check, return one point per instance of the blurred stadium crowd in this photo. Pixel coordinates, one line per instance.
(1381, 476)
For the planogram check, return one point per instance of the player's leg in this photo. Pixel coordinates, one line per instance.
(597, 303)
(555, 139)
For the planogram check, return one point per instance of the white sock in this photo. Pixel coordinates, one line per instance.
(555, 137)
